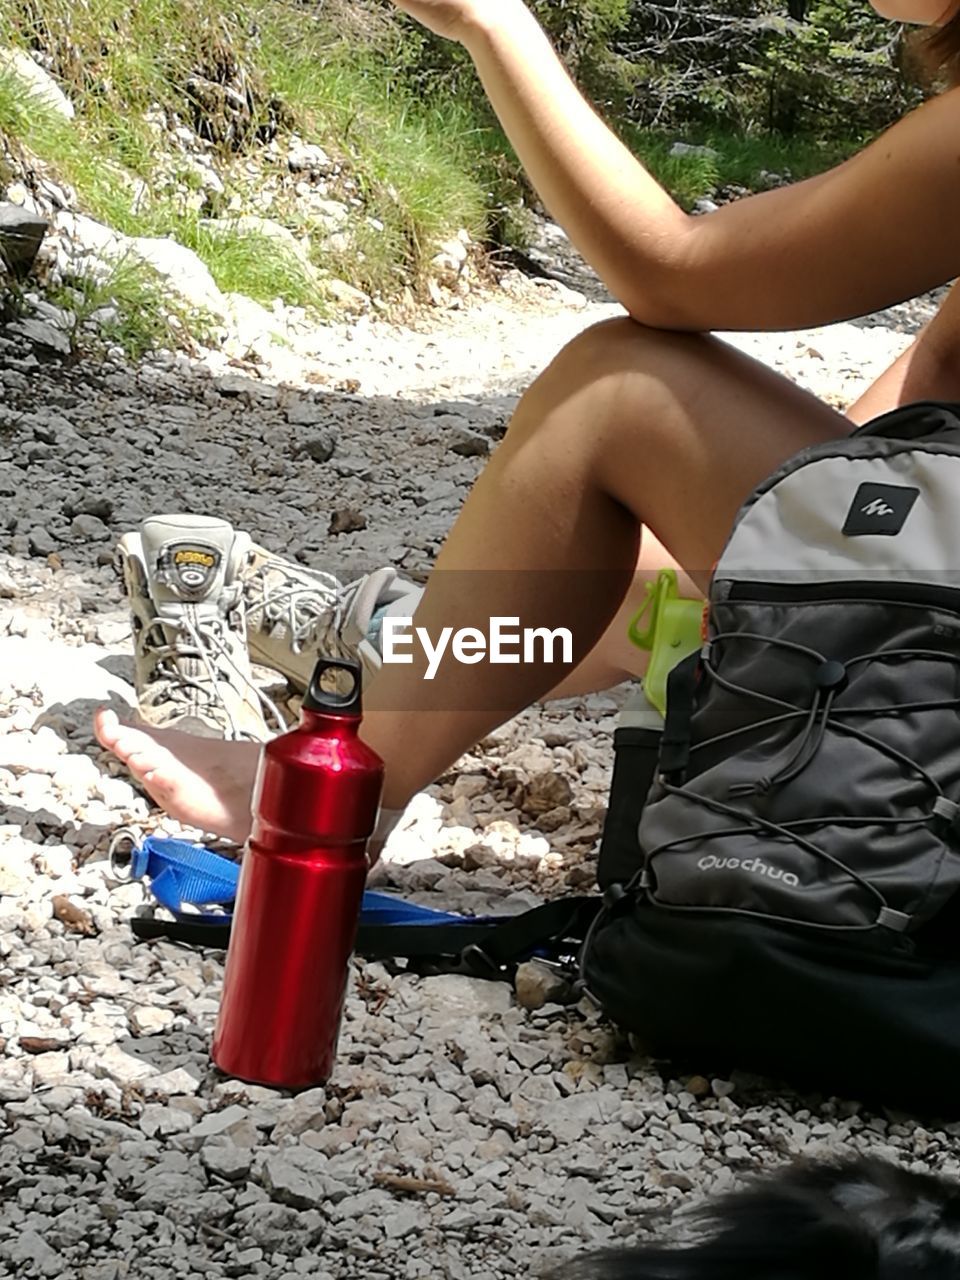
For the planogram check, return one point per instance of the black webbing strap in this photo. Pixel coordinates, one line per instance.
(147, 928)
(488, 948)
(496, 945)
(675, 743)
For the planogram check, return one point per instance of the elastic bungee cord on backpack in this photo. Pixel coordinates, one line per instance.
(822, 712)
(822, 715)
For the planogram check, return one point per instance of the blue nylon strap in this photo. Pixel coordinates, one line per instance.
(187, 875)
(182, 874)
(384, 908)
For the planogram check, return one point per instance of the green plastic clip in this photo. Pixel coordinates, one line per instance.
(672, 631)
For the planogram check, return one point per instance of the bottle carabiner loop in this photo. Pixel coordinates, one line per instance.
(122, 852)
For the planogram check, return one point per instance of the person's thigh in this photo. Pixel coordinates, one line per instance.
(681, 428)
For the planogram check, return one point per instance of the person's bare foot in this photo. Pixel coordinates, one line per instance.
(203, 782)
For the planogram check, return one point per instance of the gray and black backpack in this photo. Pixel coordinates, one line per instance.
(784, 896)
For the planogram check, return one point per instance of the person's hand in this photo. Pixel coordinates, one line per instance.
(453, 19)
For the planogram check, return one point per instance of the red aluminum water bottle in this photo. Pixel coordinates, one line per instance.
(298, 901)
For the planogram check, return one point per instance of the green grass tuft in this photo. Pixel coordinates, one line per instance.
(132, 309)
(250, 263)
(741, 159)
(414, 160)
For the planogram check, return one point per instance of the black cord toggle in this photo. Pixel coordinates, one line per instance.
(831, 676)
(614, 895)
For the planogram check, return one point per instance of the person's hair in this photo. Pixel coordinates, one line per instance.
(940, 50)
(849, 1219)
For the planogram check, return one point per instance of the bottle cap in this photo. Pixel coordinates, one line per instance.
(339, 703)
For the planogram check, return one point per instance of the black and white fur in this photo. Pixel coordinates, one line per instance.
(854, 1219)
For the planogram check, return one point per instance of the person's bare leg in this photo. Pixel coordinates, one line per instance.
(208, 783)
(627, 427)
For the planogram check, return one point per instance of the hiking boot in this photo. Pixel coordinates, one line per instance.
(182, 578)
(295, 615)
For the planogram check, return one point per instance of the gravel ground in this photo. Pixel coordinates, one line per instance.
(465, 1134)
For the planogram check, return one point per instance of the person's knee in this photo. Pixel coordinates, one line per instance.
(622, 345)
(615, 375)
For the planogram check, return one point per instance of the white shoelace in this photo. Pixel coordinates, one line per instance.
(306, 611)
(266, 702)
(206, 645)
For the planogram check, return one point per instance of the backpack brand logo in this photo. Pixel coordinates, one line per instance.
(877, 508)
(880, 509)
(755, 866)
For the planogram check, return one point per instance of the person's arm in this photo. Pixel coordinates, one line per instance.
(877, 229)
(929, 369)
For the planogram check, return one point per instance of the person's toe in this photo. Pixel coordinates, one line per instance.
(106, 725)
(138, 750)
